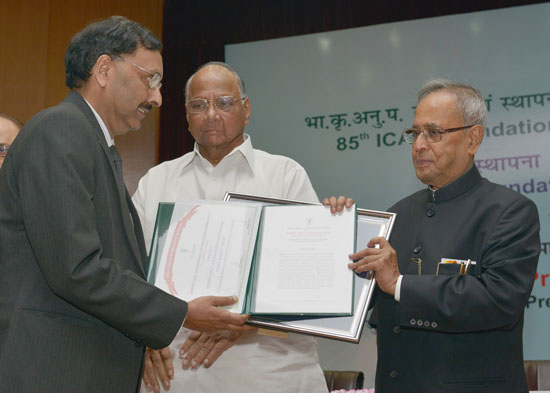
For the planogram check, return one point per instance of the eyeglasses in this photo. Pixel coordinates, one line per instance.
(223, 103)
(4, 147)
(431, 134)
(154, 79)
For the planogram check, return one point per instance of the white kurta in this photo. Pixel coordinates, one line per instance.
(256, 363)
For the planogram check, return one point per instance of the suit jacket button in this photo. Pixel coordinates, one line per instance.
(419, 322)
(434, 324)
(427, 323)
(396, 329)
(394, 374)
(417, 249)
(412, 321)
(430, 212)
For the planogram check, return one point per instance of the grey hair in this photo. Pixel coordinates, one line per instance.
(114, 36)
(240, 82)
(15, 121)
(469, 101)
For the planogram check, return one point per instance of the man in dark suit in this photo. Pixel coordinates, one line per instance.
(453, 284)
(75, 310)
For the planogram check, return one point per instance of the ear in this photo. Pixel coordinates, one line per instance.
(187, 118)
(102, 70)
(247, 111)
(475, 136)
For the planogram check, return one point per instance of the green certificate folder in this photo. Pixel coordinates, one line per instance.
(279, 260)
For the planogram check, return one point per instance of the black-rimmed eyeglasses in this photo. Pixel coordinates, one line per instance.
(431, 134)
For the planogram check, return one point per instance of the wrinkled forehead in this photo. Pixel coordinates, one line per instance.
(437, 109)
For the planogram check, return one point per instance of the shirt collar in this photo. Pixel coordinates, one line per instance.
(458, 187)
(245, 149)
(108, 138)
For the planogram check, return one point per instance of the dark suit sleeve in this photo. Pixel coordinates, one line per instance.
(494, 299)
(61, 180)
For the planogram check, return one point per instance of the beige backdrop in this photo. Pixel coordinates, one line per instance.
(33, 38)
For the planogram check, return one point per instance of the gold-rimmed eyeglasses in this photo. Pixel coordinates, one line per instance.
(154, 78)
(223, 103)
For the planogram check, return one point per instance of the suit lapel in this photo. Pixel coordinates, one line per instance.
(132, 225)
(130, 219)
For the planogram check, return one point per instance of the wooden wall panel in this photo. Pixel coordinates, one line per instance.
(138, 149)
(24, 43)
(34, 36)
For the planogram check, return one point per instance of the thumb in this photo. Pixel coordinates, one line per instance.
(377, 240)
(224, 300)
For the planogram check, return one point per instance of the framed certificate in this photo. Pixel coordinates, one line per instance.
(300, 261)
(370, 223)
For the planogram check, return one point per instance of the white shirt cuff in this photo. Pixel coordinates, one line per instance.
(397, 295)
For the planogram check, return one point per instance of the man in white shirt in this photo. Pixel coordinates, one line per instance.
(224, 160)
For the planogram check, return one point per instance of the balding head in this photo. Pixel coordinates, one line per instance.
(222, 66)
(217, 110)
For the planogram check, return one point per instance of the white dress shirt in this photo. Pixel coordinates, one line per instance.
(245, 170)
(256, 363)
(106, 133)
